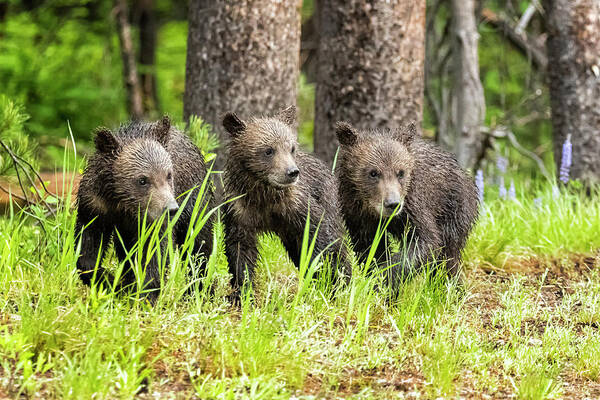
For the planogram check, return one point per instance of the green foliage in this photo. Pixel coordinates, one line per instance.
(170, 67)
(63, 71)
(203, 136)
(12, 118)
(306, 105)
(308, 8)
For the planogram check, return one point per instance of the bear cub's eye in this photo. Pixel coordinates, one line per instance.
(400, 174)
(169, 176)
(373, 173)
(143, 181)
(269, 151)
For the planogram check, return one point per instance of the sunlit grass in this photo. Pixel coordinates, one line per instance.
(296, 334)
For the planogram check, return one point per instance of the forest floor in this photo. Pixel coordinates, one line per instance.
(530, 331)
(523, 324)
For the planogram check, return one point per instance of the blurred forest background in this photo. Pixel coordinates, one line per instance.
(66, 63)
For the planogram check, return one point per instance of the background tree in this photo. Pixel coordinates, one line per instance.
(574, 77)
(146, 20)
(370, 67)
(130, 74)
(243, 56)
(467, 110)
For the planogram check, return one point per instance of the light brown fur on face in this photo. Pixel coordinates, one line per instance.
(143, 172)
(435, 201)
(268, 149)
(275, 188)
(382, 175)
(112, 200)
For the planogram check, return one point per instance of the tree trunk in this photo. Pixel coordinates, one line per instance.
(309, 43)
(147, 55)
(467, 109)
(3, 11)
(573, 47)
(242, 56)
(370, 70)
(130, 75)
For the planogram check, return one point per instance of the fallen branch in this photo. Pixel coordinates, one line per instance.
(23, 166)
(520, 40)
(12, 194)
(502, 132)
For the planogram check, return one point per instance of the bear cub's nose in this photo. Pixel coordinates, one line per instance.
(293, 172)
(391, 204)
(172, 208)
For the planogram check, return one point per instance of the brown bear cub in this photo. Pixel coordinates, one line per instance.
(432, 201)
(277, 185)
(143, 168)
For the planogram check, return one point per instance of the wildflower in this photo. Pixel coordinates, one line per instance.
(501, 188)
(502, 164)
(480, 185)
(566, 160)
(512, 193)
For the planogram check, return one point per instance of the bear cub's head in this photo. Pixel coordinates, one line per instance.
(266, 147)
(142, 170)
(378, 165)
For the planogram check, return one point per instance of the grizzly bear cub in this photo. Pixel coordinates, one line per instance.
(143, 168)
(276, 187)
(432, 202)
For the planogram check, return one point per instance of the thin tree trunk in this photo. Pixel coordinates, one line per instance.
(308, 48)
(3, 10)
(370, 70)
(130, 75)
(242, 56)
(147, 55)
(574, 77)
(467, 109)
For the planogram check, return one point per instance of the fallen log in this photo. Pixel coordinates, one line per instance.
(58, 185)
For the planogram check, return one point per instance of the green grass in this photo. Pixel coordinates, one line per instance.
(524, 323)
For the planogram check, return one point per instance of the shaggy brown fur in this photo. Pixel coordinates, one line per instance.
(144, 167)
(432, 200)
(279, 184)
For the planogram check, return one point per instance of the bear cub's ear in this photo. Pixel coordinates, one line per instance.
(162, 130)
(233, 124)
(105, 141)
(288, 115)
(407, 134)
(346, 133)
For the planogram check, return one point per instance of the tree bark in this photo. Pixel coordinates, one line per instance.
(370, 70)
(242, 56)
(467, 109)
(573, 47)
(147, 54)
(130, 74)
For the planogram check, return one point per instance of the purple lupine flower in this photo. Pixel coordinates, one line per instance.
(566, 160)
(480, 185)
(512, 193)
(501, 188)
(537, 202)
(502, 164)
